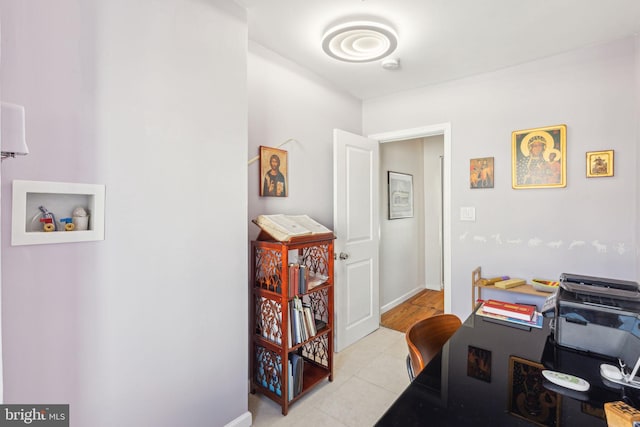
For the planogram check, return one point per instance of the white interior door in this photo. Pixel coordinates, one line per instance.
(356, 225)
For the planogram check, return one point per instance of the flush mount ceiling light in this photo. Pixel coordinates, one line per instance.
(359, 41)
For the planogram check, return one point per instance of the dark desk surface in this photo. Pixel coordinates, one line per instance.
(450, 391)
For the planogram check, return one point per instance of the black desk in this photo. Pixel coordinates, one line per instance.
(446, 394)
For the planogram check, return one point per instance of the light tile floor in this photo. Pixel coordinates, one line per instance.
(367, 378)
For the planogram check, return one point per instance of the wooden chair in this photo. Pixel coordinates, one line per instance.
(426, 337)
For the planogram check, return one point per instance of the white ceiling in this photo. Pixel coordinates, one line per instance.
(439, 40)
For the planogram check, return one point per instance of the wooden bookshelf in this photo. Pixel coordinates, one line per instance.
(270, 313)
(477, 286)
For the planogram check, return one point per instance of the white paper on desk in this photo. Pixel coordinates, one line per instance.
(550, 303)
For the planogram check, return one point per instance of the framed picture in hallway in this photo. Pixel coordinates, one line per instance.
(400, 195)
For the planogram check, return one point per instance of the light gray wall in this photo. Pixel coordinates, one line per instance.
(402, 239)
(536, 232)
(433, 150)
(149, 326)
(287, 101)
(637, 114)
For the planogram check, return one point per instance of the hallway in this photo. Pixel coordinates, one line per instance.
(424, 304)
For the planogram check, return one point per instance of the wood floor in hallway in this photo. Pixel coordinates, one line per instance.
(424, 304)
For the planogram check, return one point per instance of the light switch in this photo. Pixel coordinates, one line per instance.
(468, 213)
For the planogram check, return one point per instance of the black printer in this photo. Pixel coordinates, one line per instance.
(598, 315)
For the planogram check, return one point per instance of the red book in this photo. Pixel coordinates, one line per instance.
(517, 311)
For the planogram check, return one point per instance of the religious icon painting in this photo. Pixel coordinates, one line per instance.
(481, 173)
(539, 157)
(273, 172)
(599, 163)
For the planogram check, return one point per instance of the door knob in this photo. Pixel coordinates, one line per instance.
(344, 255)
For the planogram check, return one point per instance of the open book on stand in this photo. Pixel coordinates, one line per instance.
(284, 228)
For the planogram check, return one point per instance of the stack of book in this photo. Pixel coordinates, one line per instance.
(302, 279)
(521, 314)
(302, 324)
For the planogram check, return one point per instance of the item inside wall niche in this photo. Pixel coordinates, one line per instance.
(47, 224)
(67, 224)
(48, 219)
(80, 218)
(78, 221)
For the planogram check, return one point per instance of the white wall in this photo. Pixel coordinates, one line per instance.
(433, 148)
(147, 327)
(287, 101)
(536, 232)
(637, 114)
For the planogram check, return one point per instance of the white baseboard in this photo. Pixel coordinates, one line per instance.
(243, 420)
(434, 287)
(396, 302)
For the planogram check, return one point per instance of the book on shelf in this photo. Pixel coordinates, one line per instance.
(535, 322)
(297, 369)
(290, 387)
(283, 228)
(294, 279)
(302, 279)
(517, 311)
(509, 283)
(309, 320)
(303, 325)
(296, 335)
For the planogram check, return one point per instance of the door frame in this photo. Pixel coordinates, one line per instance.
(421, 132)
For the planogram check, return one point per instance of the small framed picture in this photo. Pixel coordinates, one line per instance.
(400, 195)
(599, 163)
(273, 172)
(539, 157)
(479, 363)
(528, 398)
(481, 173)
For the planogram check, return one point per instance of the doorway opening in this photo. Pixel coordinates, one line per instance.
(443, 170)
